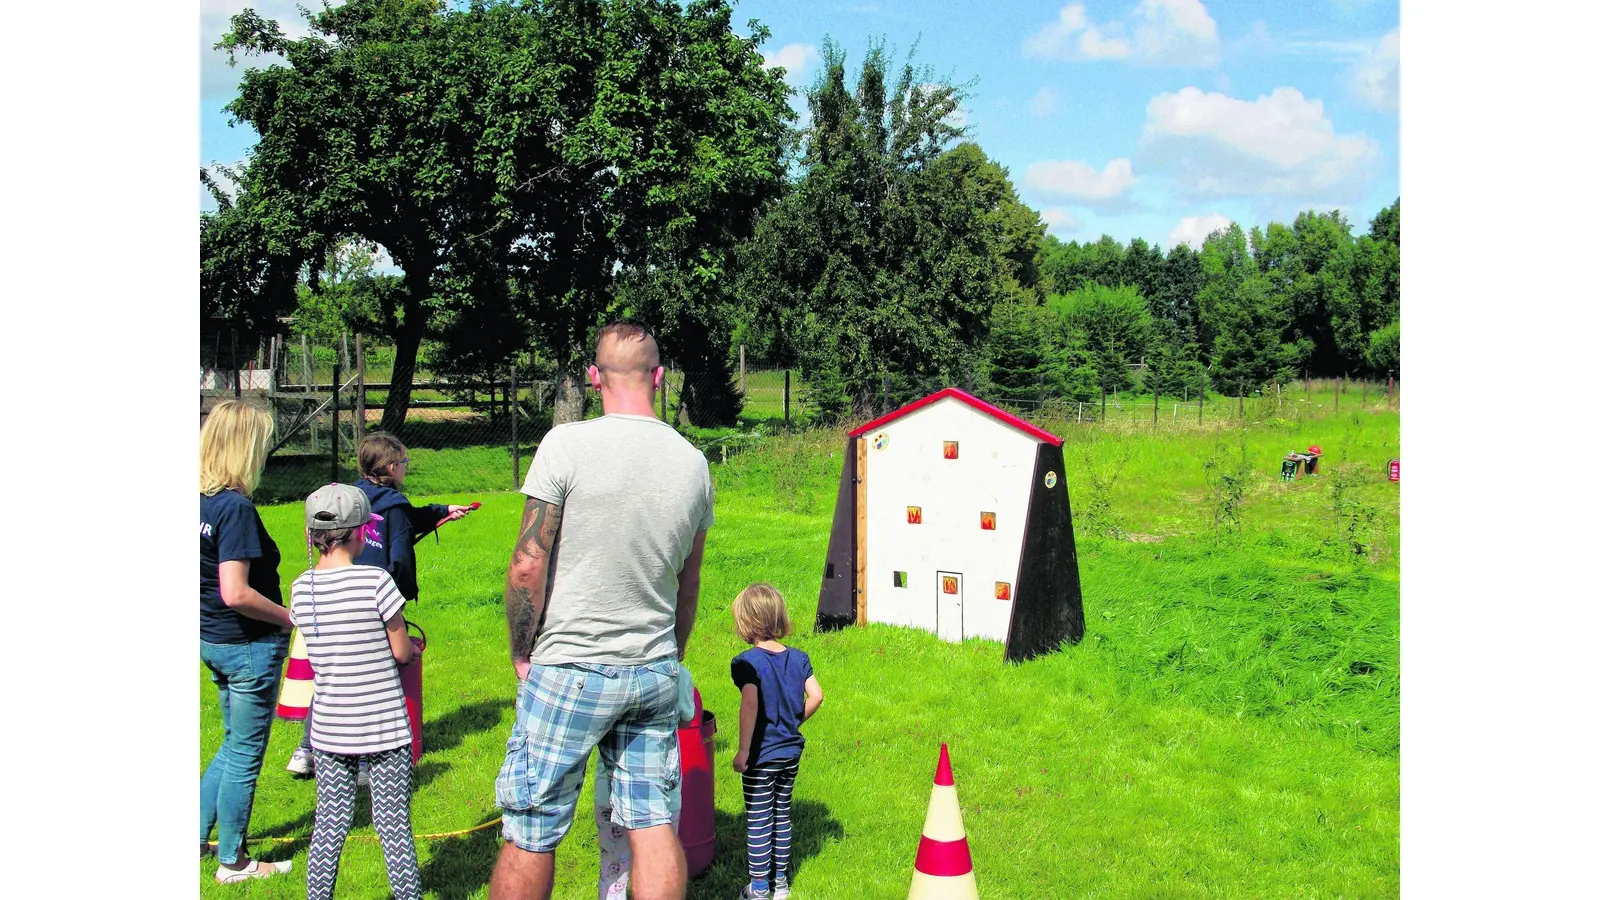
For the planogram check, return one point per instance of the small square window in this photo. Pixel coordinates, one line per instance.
(1002, 590)
(986, 521)
(914, 515)
(899, 579)
(952, 449)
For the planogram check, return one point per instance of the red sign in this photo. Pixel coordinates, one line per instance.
(1394, 470)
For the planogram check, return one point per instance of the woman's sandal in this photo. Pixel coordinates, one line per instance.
(256, 869)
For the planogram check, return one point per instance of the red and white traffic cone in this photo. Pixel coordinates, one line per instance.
(294, 696)
(944, 863)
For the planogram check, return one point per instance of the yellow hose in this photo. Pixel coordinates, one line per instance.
(373, 837)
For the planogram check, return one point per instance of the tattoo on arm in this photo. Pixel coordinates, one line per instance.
(526, 579)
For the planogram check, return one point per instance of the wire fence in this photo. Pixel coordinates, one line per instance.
(480, 433)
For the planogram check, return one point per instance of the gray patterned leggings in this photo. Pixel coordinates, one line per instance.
(390, 776)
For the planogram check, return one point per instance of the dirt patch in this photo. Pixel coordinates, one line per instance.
(1145, 538)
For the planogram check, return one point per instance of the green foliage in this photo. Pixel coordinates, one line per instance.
(880, 267)
(1111, 324)
(1024, 355)
(1354, 520)
(1227, 477)
(511, 158)
(1094, 512)
(1383, 350)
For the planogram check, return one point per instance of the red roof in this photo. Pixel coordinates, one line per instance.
(993, 412)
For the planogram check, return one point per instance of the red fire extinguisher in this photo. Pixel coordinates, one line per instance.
(697, 827)
(411, 686)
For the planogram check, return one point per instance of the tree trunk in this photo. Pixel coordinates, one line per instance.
(405, 367)
(571, 395)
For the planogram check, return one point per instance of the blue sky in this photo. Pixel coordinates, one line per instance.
(1159, 119)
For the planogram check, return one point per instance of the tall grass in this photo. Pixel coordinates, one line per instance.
(1228, 727)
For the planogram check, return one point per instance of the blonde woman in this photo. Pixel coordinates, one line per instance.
(244, 629)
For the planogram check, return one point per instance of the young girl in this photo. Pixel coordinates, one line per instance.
(778, 692)
(616, 859)
(390, 544)
(350, 616)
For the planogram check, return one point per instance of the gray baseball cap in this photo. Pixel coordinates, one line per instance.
(337, 506)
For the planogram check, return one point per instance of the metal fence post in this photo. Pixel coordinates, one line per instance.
(664, 373)
(516, 448)
(334, 457)
(741, 369)
(1156, 407)
(786, 398)
(233, 359)
(361, 391)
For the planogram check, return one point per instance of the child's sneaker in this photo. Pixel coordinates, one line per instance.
(780, 890)
(750, 893)
(300, 762)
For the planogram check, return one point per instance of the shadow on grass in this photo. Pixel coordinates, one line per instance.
(460, 866)
(457, 867)
(451, 729)
(813, 827)
(298, 829)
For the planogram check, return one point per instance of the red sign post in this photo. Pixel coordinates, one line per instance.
(1394, 470)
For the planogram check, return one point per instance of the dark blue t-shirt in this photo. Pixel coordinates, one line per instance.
(402, 526)
(780, 680)
(231, 529)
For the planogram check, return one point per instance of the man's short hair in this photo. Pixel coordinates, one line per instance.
(620, 331)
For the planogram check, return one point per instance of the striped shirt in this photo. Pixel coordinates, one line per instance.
(359, 706)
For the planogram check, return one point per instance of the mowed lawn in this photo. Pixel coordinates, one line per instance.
(1229, 727)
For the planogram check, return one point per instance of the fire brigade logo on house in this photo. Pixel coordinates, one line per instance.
(1049, 479)
(880, 440)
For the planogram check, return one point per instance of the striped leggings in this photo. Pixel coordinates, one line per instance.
(390, 775)
(768, 788)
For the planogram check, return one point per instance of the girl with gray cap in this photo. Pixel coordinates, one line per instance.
(350, 617)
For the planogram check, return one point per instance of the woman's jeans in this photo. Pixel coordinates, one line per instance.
(247, 677)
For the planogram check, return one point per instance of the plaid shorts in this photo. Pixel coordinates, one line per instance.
(563, 713)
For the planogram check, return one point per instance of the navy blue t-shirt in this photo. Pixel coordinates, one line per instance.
(780, 680)
(231, 529)
(402, 526)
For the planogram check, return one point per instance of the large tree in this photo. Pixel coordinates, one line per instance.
(510, 157)
(1111, 323)
(881, 265)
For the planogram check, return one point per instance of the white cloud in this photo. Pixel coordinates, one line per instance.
(794, 58)
(1375, 79)
(1058, 220)
(1281, 144)
(1079, 182)
(1163, 32)
(1193, 230)
(1045, 104)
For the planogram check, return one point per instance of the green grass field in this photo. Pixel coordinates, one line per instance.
(1229, 726)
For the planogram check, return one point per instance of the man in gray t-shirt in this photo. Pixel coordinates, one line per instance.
(600, 600)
